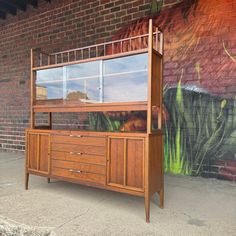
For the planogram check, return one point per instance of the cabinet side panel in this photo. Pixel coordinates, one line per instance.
(116, 161)
(32, 151)
(156, 162)
(157, 80)
(44, 150)
(135, 158)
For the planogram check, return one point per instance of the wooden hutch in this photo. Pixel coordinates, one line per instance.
(123, 75)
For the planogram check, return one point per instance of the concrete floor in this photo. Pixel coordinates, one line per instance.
(193, 206)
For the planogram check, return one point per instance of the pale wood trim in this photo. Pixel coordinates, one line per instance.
(32, 89)
(149, 104)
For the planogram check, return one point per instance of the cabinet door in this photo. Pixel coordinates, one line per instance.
(134, 162)
(126, 163)
(38, 148)
(116, 161)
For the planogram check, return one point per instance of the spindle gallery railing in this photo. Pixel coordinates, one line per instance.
(126, 45)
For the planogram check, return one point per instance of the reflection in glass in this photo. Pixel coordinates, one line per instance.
(125, 79)
(128, 88)
(88, 69)
(121, 79)
(93, 90)
(75, 91)
(49, 84)
(126, 64)
(83, 82)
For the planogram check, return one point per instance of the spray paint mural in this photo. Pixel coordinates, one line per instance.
(200, 88)
(200, 135)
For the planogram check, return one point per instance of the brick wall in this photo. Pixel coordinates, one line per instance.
(53, 26)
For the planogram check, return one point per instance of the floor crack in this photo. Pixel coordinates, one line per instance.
(71, 219)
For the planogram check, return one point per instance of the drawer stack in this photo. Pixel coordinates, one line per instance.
(79, 157)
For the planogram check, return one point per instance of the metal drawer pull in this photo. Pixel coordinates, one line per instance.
(77, 136)
(76, 171)
(76, 153)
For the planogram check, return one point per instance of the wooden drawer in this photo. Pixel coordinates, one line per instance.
(83, 158)
(83, 167)
(78, 149)
(83, 176)
(79, 139)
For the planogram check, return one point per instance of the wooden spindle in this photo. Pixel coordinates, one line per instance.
(40, 59)
(161, 43)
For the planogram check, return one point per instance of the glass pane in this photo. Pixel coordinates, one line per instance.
(126, 88)
(83, 83)
(83, 70)
(75, 91)
(49, 84)
(126, 64)
(93, 90)
(126, 79)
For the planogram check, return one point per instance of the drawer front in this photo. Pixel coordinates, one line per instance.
(76, 175)
(82, 167)
(78, 149)
(79, 139)
(83, 158)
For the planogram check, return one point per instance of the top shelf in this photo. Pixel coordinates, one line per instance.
(112, 49)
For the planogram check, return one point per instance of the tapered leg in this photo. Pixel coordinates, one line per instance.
(49, 180)
(147, 208)
(26, 181)
(161, 198)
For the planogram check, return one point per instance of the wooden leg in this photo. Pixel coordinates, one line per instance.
(161, 198)
(26, 181)
(147, 208)
(49, 180)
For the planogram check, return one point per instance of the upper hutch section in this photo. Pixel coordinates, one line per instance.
(102, 77)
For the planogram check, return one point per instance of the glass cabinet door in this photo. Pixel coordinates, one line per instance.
(49, 84)
(126, 79)
(123, 79)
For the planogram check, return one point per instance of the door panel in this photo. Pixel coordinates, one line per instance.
(135, 152)
(32, 151)
(44, 152)
(116, 161)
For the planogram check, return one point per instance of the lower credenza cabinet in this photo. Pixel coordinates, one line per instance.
(117, 162)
